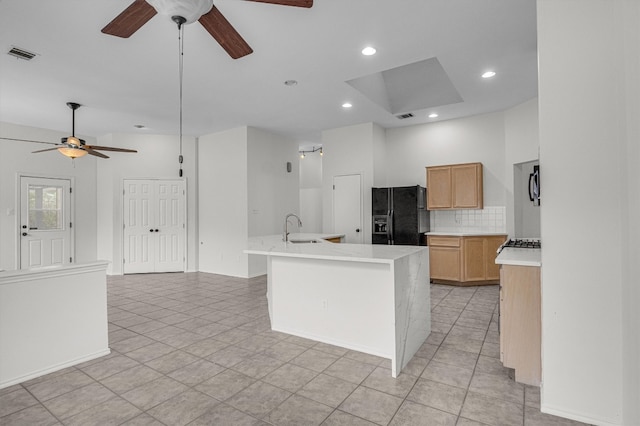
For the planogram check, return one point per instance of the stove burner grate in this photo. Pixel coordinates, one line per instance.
(526, 243)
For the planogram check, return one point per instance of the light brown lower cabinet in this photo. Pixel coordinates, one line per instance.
(520, 322)
(466, 260)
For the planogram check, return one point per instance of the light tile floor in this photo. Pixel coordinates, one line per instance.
(197, 349)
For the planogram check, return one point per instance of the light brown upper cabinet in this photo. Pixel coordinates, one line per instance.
(457, 186)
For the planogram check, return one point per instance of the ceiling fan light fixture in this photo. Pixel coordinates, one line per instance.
(190, 10)
(72, 152)
(72, 140)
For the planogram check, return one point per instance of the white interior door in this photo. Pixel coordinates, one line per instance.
(45, 222)
(170, 226)
(154, 225)
(347, 208)
(139, 249)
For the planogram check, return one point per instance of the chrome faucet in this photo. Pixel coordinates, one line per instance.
(285, 233)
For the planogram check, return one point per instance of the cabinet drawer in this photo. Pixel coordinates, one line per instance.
(443, 241)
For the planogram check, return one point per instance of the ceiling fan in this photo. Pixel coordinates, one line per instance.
(188, 11)
(74, 147)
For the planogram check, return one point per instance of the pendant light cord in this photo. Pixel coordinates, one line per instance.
(180, 77)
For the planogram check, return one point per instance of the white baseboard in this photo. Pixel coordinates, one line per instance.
(560, 412)
(53, 368)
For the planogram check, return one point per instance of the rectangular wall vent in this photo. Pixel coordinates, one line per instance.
(404, 116)
(21, 53)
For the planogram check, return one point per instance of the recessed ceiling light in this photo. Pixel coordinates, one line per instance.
(369, 50)
(346, 105)
(433, 115)
(290, 82)
(488, 74)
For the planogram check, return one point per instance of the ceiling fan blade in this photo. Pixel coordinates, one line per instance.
(224, 33)
(130, 20)
(29, 140)
(43, 150)
(96, 153)
(108, 148)
(298, 3)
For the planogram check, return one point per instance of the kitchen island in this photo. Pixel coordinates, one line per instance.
(369, 298)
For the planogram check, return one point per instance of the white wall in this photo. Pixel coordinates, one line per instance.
(15, 158)
(473, 139)
(522, 144)
(311, 191)
(310, 170)
(244, 190)
(379, 157)
(588, 95)
(348, 151)
(272, 191)
(157, 157)
(630, 208)
(223, 205)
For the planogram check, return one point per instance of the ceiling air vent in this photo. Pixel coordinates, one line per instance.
(21, 54)
(404, 116)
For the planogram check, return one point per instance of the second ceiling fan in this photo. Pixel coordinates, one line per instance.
(141, 11)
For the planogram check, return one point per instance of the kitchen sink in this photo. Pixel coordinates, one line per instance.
(304, 241)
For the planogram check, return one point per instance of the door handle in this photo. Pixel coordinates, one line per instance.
(357, 229)
(150, 230)
(155, 230)
(24, 234)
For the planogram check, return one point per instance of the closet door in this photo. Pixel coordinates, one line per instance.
(170, 226)
(139, 235)
(154, 226)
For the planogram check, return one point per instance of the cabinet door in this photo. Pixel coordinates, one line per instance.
(520, 323)
(474, 258)
(466, 181)
(439, 187)
(492, 270)
(444, 263)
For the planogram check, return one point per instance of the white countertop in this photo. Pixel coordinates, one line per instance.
(519, 257)
(272, 245)
(463, 233)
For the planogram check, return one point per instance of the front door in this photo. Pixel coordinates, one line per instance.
(347, 208)
(154, 225)
(46, 229)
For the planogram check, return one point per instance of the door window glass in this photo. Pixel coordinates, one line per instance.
(45, 208)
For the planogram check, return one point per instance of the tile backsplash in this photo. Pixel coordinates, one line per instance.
(489, 219)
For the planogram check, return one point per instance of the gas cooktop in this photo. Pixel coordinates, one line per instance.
(524, 243)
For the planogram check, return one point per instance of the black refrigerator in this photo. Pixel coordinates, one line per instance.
(399, 215)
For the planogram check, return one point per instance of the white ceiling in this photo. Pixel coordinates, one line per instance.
(124, 82)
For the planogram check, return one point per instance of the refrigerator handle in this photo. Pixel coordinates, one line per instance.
(389, 215)
(390, 227)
